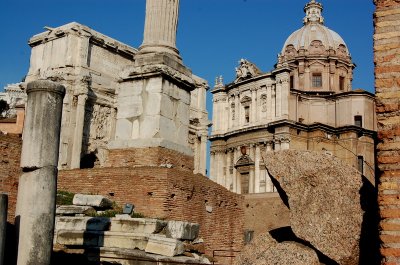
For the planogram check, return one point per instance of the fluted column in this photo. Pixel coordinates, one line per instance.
(257, 170)
(77, 145)
(237, 114)
(160, 27)
(203, 154)
(212, 166)
(253, 106)
(228, 179)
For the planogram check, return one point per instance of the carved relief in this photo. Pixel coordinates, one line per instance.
(290, 52)
(341, 51)
(263, 103)
(316, 47)
(233, 110)
(246, 70)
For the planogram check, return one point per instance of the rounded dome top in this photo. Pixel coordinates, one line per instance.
(314, 33)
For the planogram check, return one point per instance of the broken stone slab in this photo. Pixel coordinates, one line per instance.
(73, 209)
(97, 201)
(323, 195)
(198, 248)
(160, 245)
(79, 238)
(82, 223)
(137, 225)
(264, 249)
(125, 240)
(182, 230)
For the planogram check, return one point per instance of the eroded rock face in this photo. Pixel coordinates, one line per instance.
(323, 195)
(265, 250)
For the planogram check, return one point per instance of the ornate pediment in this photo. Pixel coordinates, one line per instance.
(246, 70)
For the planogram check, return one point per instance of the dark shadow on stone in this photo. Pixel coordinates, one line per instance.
(284, 234)
(278, 187)
(369, 239)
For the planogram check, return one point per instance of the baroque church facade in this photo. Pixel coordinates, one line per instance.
(306, 103)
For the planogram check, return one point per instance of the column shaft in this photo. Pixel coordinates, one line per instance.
(78, 134)
(160, 26)
(257, 170)
(37, 188)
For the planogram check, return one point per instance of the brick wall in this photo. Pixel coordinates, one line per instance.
(151, 156)
(387, 83)
(170, 194)
(10, 151)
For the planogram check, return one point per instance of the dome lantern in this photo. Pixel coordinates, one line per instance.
(313, 12)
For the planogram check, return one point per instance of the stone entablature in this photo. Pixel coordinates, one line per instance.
(96, 71)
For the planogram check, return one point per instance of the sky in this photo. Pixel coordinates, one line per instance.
(213, 35)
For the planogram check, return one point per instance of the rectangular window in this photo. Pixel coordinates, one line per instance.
(341, 82)
(317, 80)
(358, 120)
(247, 114)
(291, 82)
(360, 164)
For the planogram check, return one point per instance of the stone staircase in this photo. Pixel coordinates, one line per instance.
(127, 241)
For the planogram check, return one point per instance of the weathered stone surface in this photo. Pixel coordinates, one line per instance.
(323, 195)
(82, 223)
(266, 250)
(125, 240)
(72, 209)
(92, 200)
(137, 225)
(79, 238)
(164, 246)
(182, 230)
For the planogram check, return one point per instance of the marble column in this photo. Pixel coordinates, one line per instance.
(212, 166)
(36, 200)
(253, 106)
(234, 175)
(237, 114)
(269, 102)
(278, 100)
(3, 224)
(78, 134)
(203, 154)
(257, 170)
(251, 173)
(228, 177)
(160, 27)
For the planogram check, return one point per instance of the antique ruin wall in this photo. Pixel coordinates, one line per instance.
(387, 83)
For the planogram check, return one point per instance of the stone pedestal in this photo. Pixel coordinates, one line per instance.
(3, 224)
(37, 188)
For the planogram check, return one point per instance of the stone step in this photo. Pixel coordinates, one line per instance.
(137, 225)
(101, 239)
(82, 223)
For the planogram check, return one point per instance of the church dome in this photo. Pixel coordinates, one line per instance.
(314, 33)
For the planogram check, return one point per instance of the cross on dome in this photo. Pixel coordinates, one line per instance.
(313, 12)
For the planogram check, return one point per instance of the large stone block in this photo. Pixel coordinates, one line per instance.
(137, 225)
(82, 223)
(92, 200)
(264, 249)
(182, 230)
(164, 246)
(79, 238)
(324, 196)
(125, 240)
